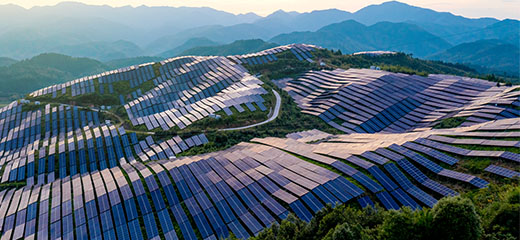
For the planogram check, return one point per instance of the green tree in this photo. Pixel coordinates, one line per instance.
(346, 232)
(456, 218)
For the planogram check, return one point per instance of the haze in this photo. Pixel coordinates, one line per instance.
(500, 9)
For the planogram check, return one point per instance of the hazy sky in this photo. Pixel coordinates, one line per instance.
(469, 8)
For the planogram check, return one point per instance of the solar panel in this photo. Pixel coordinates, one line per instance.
(301, 211)
(501, 171)
(387, 200)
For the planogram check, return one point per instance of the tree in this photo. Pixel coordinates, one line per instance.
(406, 224)
(346, 232)
(456, 218)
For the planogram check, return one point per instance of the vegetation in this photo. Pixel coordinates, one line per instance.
(42, 71)
(450, 122)
(492, 213)
(5, 61)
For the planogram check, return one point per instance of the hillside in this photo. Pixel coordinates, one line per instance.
(485, 55)
(235, 48)
(351, 36)
(190, 43)
(102, 51)
(5, 61)
(43, 70)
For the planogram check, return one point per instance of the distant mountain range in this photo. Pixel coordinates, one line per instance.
(235, 48)
(106, 33)
(485, 56)
(351, 36)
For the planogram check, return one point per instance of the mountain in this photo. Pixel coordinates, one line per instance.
(190, 43)
(454, 29)
(5, 61)
(485, 55)
(283, 22)
(235, 48)
(28, 32)
(351, 36)
(394, 11)
(42, 71)
(216, 33)
(103, 51)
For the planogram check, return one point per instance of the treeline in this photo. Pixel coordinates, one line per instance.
(47, 69)
(488, 214)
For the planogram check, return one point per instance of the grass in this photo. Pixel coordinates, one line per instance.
(450, 122)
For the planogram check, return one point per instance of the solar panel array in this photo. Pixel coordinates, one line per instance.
(41, 146)
(135, 75)
(309, 135)
(301, 51)
(88, 179)
(191, 88)
(240, 190)
(187, 88)
(369, 101)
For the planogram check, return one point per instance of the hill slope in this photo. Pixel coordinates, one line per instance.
(190, 43)
(487, 55)
(43, 70)
(5, 61)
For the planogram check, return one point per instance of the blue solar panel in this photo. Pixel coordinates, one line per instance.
(325, 195)
(301, 211)
(365, 201)
(225, 211)
(422, 196)
(239, 230)
(150, 225)
(367, 182)
(401, 179)
(387, 200)
(251, 223)
(404, 199)
(338, 192)
(144, 205)
(312, 202)
(130, 208)
(264, 216)
(122, 231)
(388, 184)
(106, 221)
(187, 231)
(216, 222)
(236, 205)
(202, 225)
(412, 170)
(157, 199)
(165, 221)
(135, 229)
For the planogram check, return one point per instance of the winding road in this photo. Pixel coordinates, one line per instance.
(273, 117)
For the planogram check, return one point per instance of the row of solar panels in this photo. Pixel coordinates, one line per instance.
(372, 101)
(189, 87)
(86, 84)
(301, 51)
(170, 114)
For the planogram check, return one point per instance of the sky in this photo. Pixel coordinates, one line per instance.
(469, 8)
